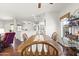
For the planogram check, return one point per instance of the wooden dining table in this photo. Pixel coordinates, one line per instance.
(34, 38)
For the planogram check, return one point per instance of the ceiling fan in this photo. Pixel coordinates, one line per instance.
(39, 4)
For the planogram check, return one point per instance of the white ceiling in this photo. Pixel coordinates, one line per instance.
(28, 9)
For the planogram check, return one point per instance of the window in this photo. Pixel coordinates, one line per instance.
(19, 28)
(11, 27)
(1, 30)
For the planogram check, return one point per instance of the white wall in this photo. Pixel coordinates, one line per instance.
(70, 8)
(27, 26)
(5, 25)
(52, 23)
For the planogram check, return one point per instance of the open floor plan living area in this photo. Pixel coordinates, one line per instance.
(39, 29)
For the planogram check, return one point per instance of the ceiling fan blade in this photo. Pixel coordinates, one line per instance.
(39, 5)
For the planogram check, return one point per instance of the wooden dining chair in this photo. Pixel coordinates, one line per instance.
(54, 36)
(27, 52)
(25, 37)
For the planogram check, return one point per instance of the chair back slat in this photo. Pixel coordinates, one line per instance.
(31, 52)
(25, 53)
(36, 52)
(42, 52)
(48, 50)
